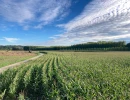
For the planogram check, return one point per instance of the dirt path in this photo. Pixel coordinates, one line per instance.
(19, 63)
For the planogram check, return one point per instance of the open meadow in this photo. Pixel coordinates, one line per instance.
(10, 57)
(69, 76)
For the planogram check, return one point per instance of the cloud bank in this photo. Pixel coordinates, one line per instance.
(11, 40)
(100, 20)
(41, 12)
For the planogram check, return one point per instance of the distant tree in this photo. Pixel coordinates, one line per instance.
(128, 45)
(16, 48)
(26, 48)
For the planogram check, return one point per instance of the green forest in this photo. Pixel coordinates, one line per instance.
(90, 46)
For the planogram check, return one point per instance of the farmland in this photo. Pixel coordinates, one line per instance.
(70, 76)
(11, 57)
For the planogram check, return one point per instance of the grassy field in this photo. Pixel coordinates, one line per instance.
(11, 57)
(70, 76)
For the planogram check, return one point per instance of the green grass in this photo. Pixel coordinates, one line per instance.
(8, 58)
(70, 76)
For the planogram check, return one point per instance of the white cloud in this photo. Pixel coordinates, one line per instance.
(100, 11)
(26, 27)
(50, 14)
(39, 26)
(15, 11)
(60, 25)
(100, 20)
(37, 11)
(11, 40)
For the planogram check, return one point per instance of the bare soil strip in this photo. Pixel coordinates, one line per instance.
(19, 63)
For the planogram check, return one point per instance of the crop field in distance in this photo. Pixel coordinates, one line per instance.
(10, 57)
(69, 76)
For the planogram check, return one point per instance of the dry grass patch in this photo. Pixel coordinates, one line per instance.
(10, 57)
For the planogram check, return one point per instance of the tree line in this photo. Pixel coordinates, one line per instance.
(90, 46)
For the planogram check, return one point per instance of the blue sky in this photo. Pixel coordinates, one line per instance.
(63, 22)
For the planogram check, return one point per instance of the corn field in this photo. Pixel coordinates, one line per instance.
(69, 76)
